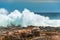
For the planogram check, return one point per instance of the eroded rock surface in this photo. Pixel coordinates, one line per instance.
(29, 33)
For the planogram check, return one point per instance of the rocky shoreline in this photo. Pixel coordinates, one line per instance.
(30, 33)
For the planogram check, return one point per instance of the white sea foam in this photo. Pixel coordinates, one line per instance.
(25, 18)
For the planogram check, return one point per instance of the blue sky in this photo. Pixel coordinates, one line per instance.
(33, 5)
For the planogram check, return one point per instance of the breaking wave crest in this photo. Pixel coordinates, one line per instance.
(25, 18)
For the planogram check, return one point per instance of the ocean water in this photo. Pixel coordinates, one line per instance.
(35, 7)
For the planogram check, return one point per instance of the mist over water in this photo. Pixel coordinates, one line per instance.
(25, 18)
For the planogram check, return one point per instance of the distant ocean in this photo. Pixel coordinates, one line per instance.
(35, 7)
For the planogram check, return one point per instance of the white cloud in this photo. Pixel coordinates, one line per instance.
(25, 18)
